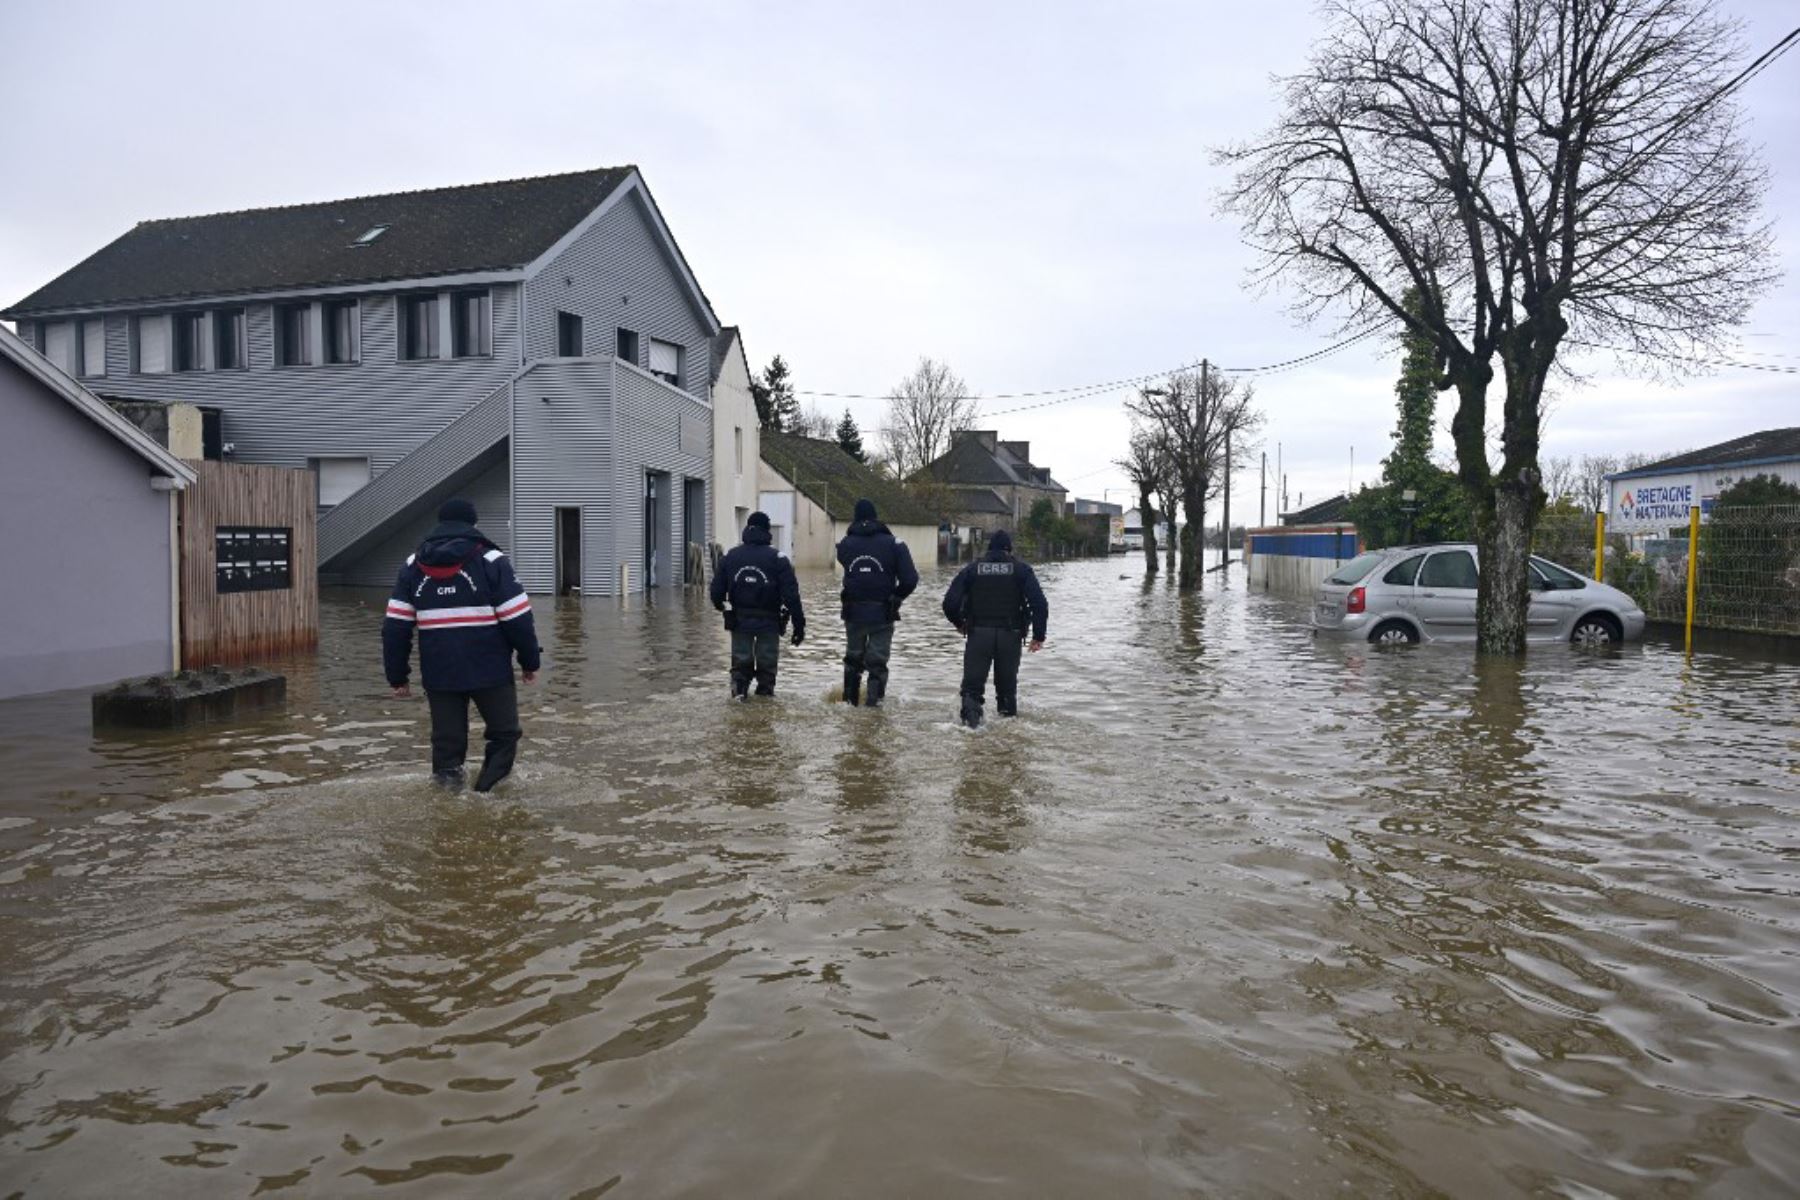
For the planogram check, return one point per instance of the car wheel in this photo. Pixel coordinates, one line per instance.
(1394, 633)
(1596, 629)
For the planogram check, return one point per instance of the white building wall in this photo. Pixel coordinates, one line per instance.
(737, 449)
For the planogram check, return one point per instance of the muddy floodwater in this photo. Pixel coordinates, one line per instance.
(1224, 912)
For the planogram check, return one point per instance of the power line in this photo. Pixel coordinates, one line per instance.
(1085, 390)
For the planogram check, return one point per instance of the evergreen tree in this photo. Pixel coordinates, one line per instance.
(850, 438)
(1416, 393)
(1440, 506)
(776, 406)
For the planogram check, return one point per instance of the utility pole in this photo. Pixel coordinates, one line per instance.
(1262, 489)
(1225, 523)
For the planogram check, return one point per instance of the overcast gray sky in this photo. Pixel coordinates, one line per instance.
(1022, 190)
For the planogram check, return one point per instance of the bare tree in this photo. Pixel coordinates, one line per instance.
(1195, 414)
(1590, 480)
(925, 410)
(1560, 479)
(814, 422)
(1541, 172)
(1146, 464)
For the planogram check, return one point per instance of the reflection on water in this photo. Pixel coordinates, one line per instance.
(1223, 911)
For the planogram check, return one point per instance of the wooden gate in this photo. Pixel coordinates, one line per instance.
(249, 563)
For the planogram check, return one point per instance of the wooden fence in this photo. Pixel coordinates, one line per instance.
(268, 618)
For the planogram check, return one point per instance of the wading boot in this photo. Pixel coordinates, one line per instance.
(971, 712)
(449, 781)
(740, 691)
(877, 689)
(491, 775)
(852, 688)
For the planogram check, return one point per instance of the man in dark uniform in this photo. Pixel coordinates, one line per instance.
(878, 575)
(993, 600)
(458, 590)
(759, 582)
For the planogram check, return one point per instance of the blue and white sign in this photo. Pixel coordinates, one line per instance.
(1656, 504)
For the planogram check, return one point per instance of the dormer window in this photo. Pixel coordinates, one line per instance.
(370, 236)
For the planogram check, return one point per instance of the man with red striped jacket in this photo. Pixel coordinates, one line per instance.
(472, 617)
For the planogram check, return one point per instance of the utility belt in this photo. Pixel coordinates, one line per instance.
(889, 603)
(734, 615)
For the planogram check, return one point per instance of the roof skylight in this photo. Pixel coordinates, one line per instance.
(370, 236)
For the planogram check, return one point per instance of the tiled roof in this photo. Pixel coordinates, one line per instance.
(830, 478)
(1337, 508)
(444, 231)
(1771, 445)
(969, 461)
(980, 500)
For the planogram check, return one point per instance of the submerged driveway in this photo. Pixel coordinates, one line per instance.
(1225, 910)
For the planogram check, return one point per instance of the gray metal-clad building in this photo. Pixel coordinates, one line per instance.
(539, 345)
(88, 503)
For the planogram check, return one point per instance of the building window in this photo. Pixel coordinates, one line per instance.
(469, 336)
(665, 361)
(340, 478)
(418, 327)
(737, 445)
(568, 335)
(252, 558)
(59, 344)
(188, 330)
(151, 348)
(627, 347)
(93, 347)
(230, 347)
(343, 332)
(293, 334)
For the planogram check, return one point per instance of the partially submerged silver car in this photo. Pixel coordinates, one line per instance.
(1427, 594)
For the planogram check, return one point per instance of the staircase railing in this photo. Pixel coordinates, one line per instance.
(452, 448)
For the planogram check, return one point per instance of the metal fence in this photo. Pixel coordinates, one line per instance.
(1748, 574)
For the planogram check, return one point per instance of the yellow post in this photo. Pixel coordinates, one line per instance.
(1600, 546)
(1693, 570)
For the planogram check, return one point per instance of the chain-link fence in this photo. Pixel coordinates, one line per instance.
(1749, 566)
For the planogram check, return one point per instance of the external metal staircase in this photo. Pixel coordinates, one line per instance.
(398, 492)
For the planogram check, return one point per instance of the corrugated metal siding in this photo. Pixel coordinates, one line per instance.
(562, 457)
(381, 407)
(649, 439)
(621, 255)
(405, 483)
(490, 493)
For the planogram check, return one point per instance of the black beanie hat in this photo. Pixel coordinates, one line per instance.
(865, 509)
(1001, 541)
(759, 520)
(457, 510)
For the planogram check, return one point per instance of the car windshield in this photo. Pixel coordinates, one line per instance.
(1358, 567)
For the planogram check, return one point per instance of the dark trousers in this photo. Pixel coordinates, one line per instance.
(997, 648)
(499, 707)
(866, 648)
(754, 654)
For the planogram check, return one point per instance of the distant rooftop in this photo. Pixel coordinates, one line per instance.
(1770, 446)
(830, 478)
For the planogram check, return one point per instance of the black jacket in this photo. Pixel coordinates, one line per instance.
(759, 582)
(471, 614)
(878, 574)
(1031, 608)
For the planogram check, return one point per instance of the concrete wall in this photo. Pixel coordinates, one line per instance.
(1293, 560)
(734, 410)
(87, 545)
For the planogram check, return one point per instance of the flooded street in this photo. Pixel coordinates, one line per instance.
(1225, 911)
